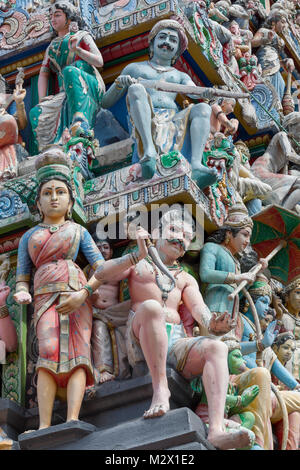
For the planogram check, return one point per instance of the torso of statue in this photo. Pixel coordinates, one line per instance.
(143, 286)
(106, 295)
(150, 71)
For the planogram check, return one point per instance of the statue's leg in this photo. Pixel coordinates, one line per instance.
(141, 114)
(75, 393)
(150, 329)
(209, 359)
(292, 199)
(199, 130)
(46, 391)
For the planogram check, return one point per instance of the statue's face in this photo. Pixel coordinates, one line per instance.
(175, 240)
(228, 106)
(54, 200)
(265, 322)
(58, 20)
(285, 351)
(105, 250)
(262, 305)
(236, 363)
(235, 29)
(239, 243)
(280, 25)
(166, 44)
(294, 299)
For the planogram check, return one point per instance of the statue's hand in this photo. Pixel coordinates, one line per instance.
(221, 324)
(22, 297)
(269, 335)
(249, 277)
(71, 302)
(124, 81)
(249, 394)
(264, 263)
(19, 95)
(141, 236)
(4, 292)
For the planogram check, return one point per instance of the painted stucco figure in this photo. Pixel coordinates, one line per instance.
(158, 125)
(155, 333)
(9, 129)
(64, 364)
(74, 57)
(273, 166)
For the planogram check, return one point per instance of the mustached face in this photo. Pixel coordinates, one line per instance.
(175, 240)
(166, 44)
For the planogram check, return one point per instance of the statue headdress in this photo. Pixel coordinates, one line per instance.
(261, 288)
(52, 163)
(173, 24)
(238, 217)
(294, 284)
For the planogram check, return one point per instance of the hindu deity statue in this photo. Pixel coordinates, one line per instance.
(291, 322)
(9, 128)
(273, 166)
(159, 127)
(73, 57)
(64, 365)
(269, 43)
(219, 266)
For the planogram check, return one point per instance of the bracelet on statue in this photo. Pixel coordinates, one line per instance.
(135, 257)
(4, 311)
(238, 402)
(118, 87)
(22, 289)
(88, 289)
(259, 345)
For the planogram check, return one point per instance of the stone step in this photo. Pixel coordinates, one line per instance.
(176, 428)
(119, 401)
(54, 436)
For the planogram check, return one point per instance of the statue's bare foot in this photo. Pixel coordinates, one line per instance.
(231, 440)
(148, 164)
(106, 377)
(160, 404)
(205, 176)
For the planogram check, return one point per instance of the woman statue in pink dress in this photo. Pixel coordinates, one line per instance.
(64, 365)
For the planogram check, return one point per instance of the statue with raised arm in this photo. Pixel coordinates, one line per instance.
(269, 43)
(273, 166)
(159, 127)
(10, 126)
(73, 57)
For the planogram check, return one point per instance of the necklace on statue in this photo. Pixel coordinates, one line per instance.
(163, 282)
(52, 227)
(160, 68)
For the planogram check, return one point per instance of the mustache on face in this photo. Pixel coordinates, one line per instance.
(165, 44)
(176, 240)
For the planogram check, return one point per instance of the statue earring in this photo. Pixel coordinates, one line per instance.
(227, 239)
(246, 306)
(69, 213)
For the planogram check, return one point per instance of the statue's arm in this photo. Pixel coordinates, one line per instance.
(284, 375)
(194, 302)
(92, 55)
(119, 87)
(207, 270)
(44, 77)
(260, 38)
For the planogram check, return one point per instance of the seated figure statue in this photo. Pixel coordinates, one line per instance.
(73, 57)
(158, 126)
(155, 332)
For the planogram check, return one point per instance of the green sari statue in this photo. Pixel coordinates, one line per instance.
(73, 57)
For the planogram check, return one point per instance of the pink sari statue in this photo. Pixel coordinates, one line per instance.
(64, 340)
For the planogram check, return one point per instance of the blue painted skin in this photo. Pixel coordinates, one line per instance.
(249, 347)
(165, 47)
